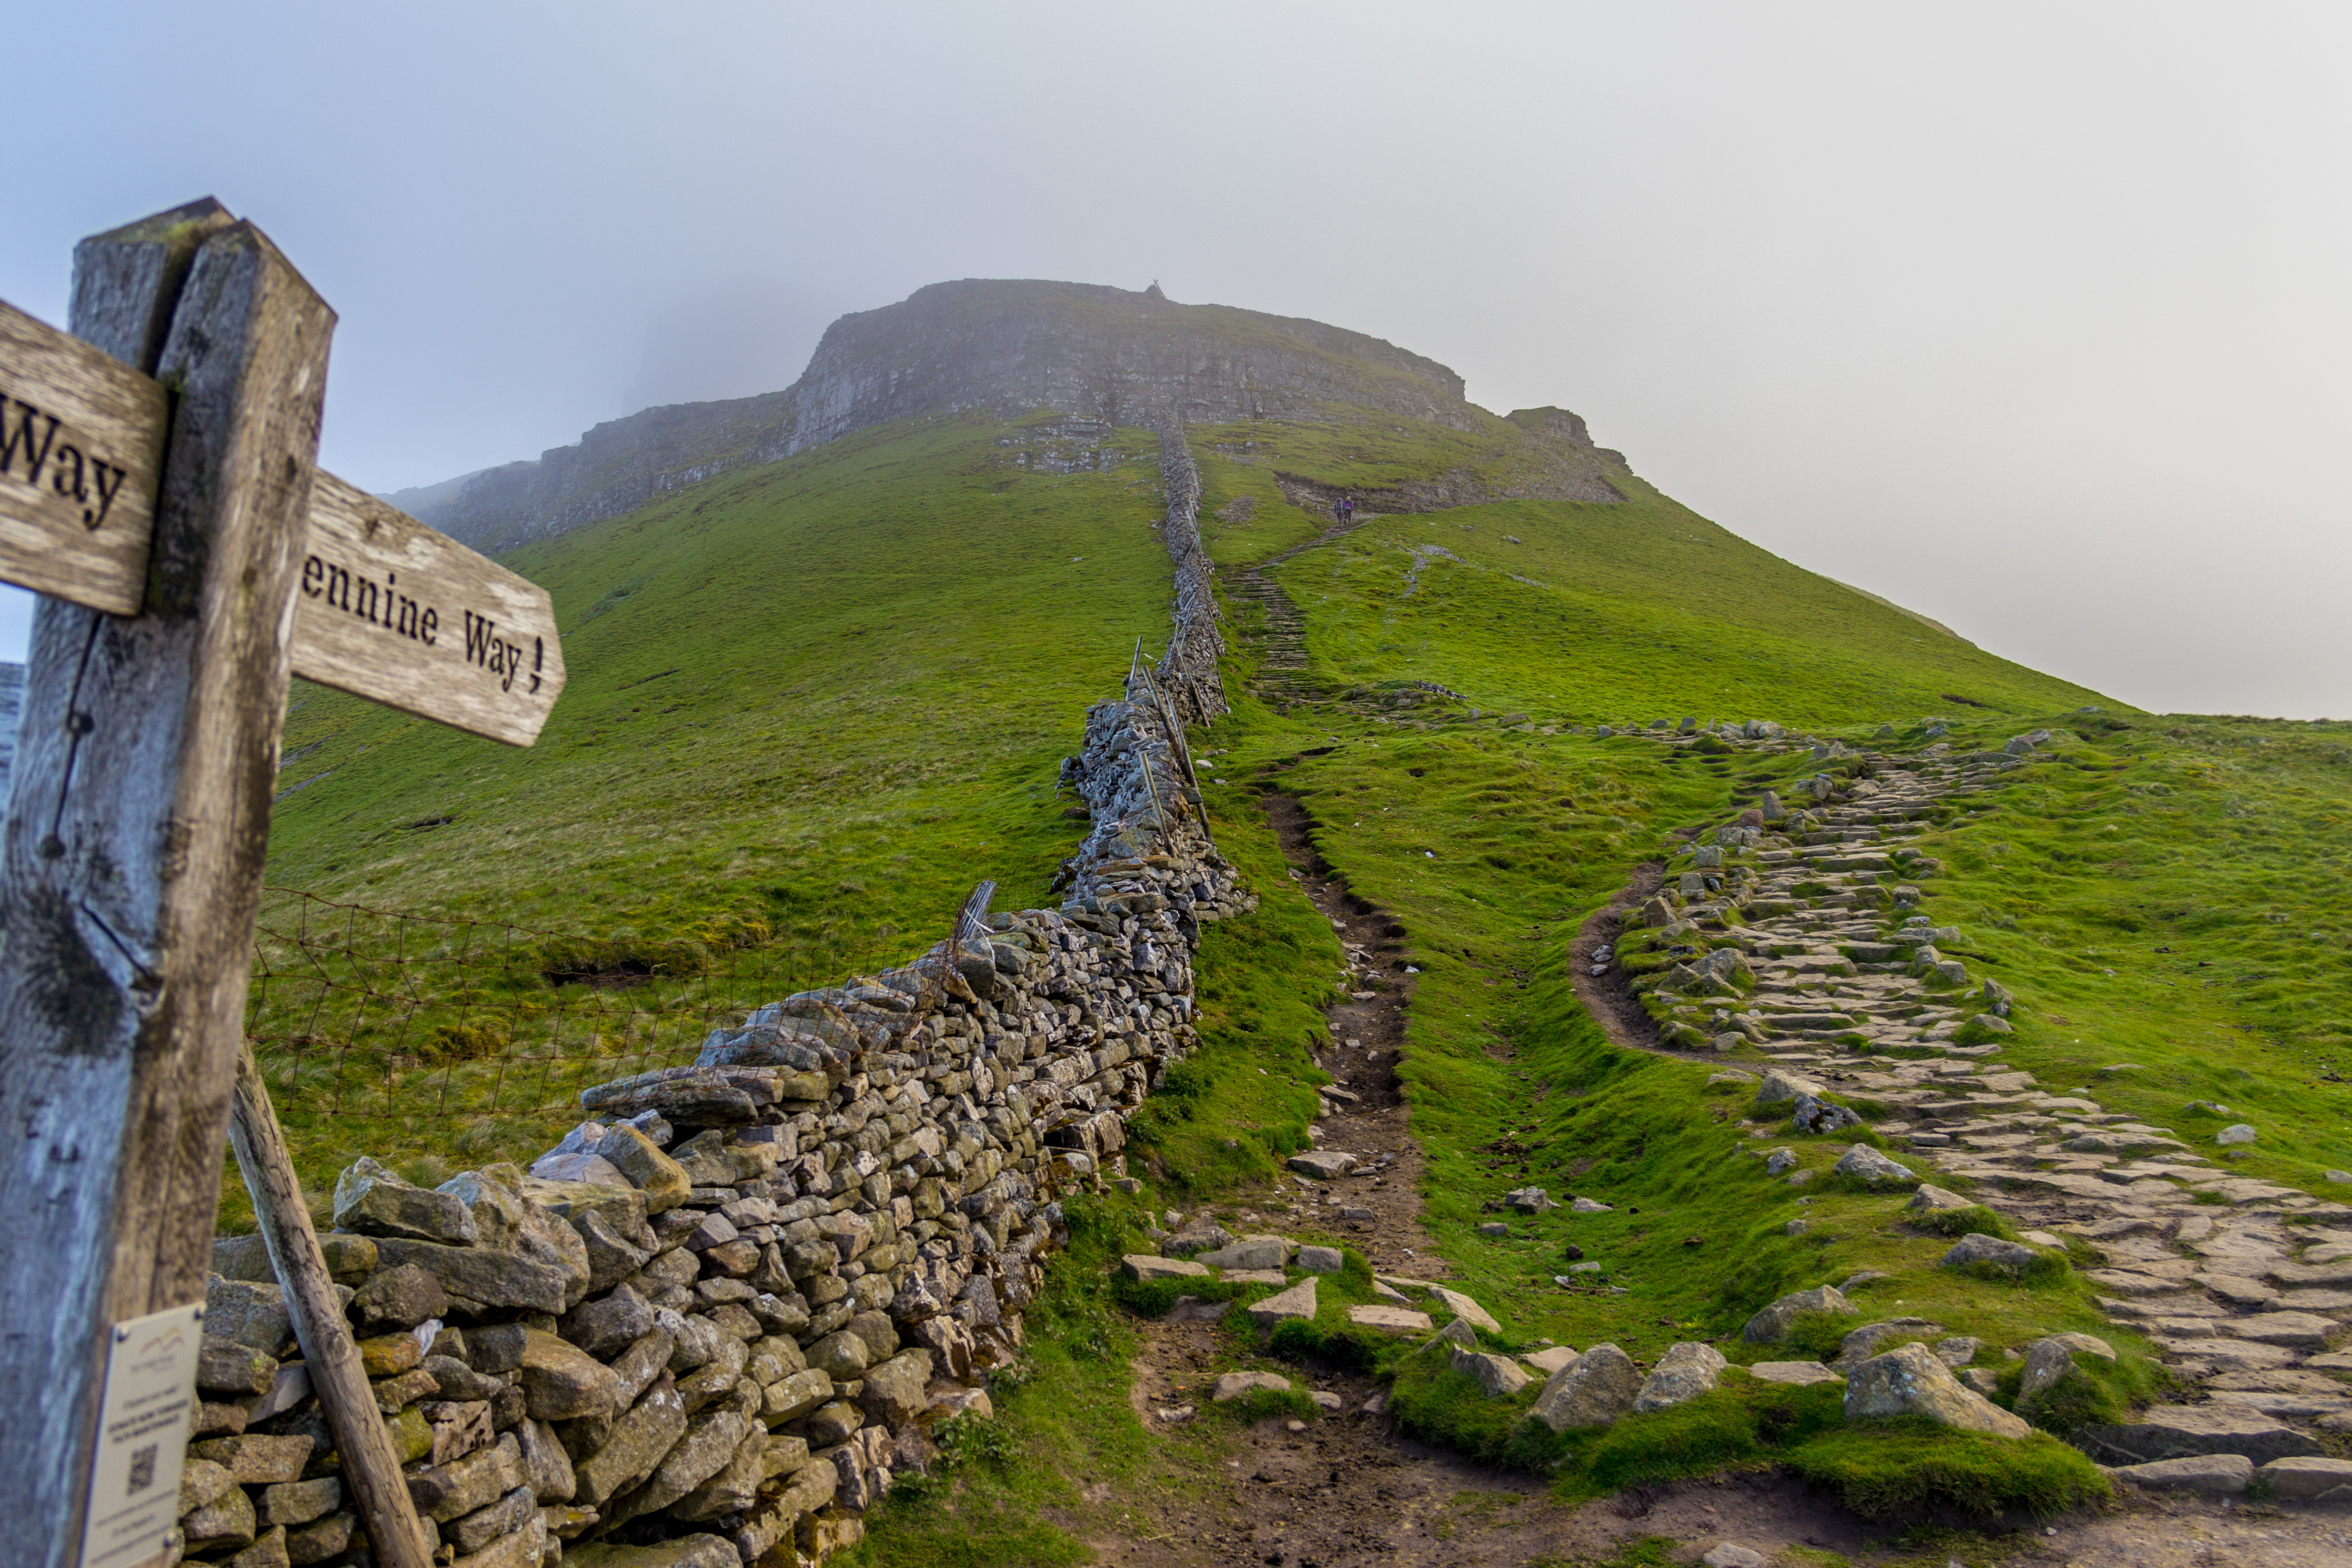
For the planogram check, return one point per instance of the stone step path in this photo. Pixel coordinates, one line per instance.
(1281, 642)
(1854, 999)
(1281, 677)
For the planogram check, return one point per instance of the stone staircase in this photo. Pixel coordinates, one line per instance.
(1281, 640)
(2243, 1286)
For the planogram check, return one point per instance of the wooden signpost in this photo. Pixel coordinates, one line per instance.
(81, 454)
(158, 487)
(392, 611)
(388, 609)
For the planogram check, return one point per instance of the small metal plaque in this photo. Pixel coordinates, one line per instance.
(143, 1422)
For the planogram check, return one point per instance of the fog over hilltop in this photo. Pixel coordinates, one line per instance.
(2027, 317)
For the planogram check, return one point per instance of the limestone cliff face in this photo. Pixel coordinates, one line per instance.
(1006, 348)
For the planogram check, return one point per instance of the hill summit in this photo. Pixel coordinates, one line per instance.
(1004, 348)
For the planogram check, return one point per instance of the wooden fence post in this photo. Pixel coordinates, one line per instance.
(132, 851)
(371, 1474)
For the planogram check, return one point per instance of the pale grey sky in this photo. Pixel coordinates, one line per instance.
(2031, 317)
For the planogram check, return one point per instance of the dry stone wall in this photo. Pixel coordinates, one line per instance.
(1188, 672)
(714, 1323)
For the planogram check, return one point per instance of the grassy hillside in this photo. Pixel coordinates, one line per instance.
(810, 705)
(1579, 611)
(812, 702)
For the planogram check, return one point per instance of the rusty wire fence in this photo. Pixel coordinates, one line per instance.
(357, 1012)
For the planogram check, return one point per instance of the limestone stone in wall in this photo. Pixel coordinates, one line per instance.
(724, 1312)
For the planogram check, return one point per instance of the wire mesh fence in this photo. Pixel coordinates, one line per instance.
(361, 1011)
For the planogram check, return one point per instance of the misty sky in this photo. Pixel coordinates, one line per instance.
(2031, 317)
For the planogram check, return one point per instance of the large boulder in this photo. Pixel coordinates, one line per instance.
(1298, 1301)
(482, 1274)
(1250, 1252)
(896, 1392)
(1235, 1386)
(1686, 1370)
(639, 1441)
(1771, 1325)
(1864, 1163)
(561, 1382)
(1464, 1308)
(374, 1201)
(1977, 1249)
(1910, 1381)
(1499, 1376)
(661, 1179)
(1600, 1387)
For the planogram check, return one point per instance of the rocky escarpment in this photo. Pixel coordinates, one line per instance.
(1004, 348)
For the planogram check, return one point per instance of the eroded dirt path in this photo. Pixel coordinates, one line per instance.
(1605, 990)
(1379, 1211)
(1347, 1491)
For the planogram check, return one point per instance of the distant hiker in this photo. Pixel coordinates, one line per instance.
(1346, 509)
(1338, 509)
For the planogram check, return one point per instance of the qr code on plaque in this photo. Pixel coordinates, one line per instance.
(143, 1469)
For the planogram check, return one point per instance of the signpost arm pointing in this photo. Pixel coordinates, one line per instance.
(130, 851)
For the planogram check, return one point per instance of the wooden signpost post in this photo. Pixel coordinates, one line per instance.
(158, 486)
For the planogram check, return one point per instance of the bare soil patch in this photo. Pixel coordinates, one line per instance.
(1609, 996)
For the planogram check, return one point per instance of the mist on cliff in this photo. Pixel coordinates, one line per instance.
(2029, 317)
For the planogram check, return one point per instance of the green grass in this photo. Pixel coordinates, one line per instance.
(1902, 1474)
(812, 702)
(1016, 1490)
(2161, 898)
(1585, 612)
(810, 705)
(2097, 1393)
(1897, 1472)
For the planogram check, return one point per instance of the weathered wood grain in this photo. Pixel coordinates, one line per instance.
(396, 613)
(131, 849)
(81, 448)
(370, 1464)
